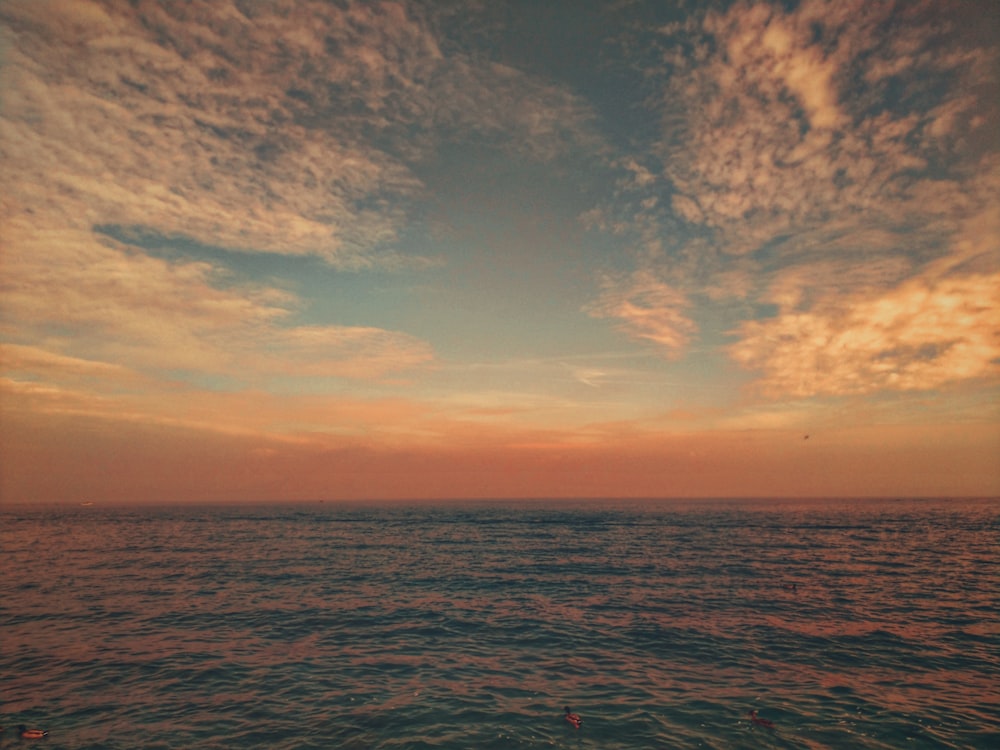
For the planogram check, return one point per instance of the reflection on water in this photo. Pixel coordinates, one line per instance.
(864, 624)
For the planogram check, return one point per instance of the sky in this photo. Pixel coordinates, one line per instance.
(296, 250)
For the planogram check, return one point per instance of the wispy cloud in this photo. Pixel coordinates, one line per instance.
(36, 361)
(647, 310)
(108, 302)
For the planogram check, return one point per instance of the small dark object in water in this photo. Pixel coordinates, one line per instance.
(573, 718)
(767, 724)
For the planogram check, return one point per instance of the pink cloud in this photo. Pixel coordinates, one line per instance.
(647, 310)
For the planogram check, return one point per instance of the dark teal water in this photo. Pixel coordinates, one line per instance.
(864, 624)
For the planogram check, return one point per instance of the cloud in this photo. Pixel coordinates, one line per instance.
(924, 333)
(107, 302)
(253, 413)
(282, 128)
(344, 351)
(30, 359)
(766, 43)
(647, 310)
(769, 131)
(813, 161)
(846, 328)
(184, 119)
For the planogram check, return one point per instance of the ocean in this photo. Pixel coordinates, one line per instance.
(845, 623)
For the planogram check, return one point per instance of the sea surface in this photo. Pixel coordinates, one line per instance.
(848, 624)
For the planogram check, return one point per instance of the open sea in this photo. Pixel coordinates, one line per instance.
(848, 624)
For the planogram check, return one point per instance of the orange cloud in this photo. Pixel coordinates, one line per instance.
(30, 359)
(116, 305)
(801, 188)
(59, 387)
(648, 310)
(845, 329)
(918, 336)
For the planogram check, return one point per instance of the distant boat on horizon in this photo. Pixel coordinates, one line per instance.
(86, 505)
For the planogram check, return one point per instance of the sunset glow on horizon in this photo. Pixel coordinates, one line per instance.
(304, 250)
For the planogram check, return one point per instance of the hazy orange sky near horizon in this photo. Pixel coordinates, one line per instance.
(304, 250)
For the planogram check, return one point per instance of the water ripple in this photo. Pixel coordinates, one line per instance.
(848, 624)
